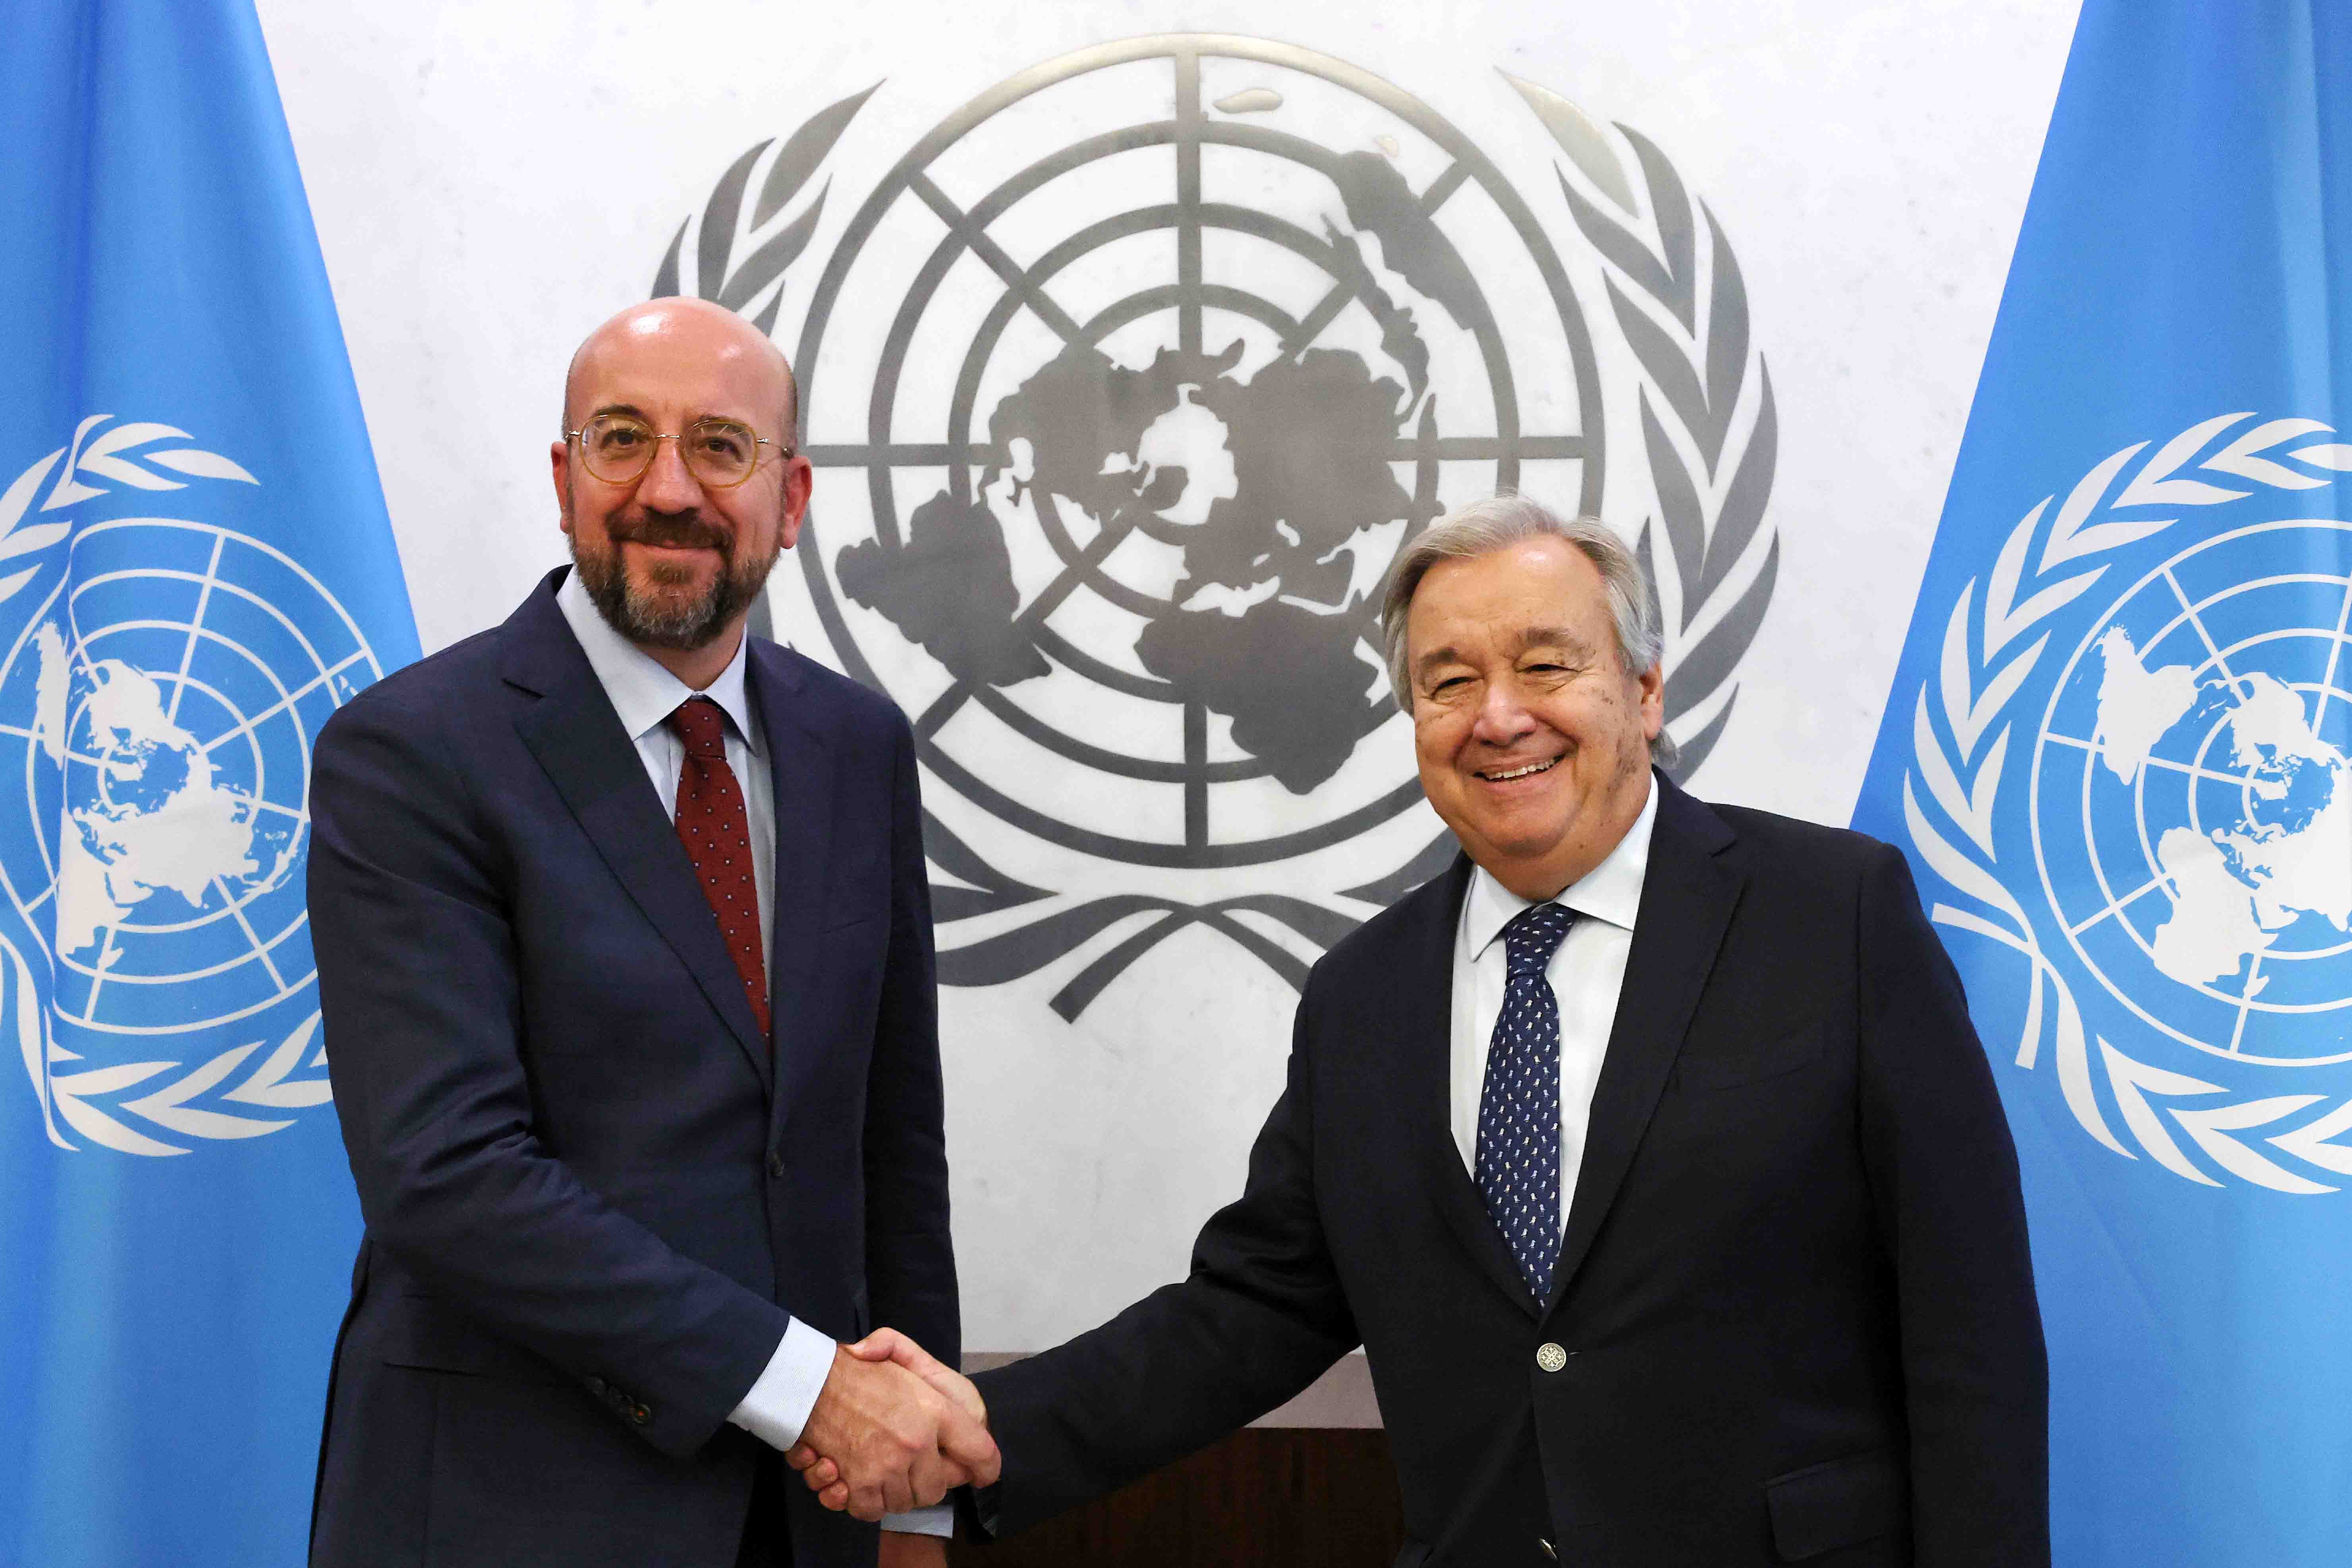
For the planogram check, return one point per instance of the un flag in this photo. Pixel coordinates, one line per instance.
(2119, 751)
(195, 569)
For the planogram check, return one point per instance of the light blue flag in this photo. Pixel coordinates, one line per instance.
(2119, 752)
(196, 568)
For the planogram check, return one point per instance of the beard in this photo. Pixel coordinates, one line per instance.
(661, 611)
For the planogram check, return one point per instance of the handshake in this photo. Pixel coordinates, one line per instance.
(893, 1430)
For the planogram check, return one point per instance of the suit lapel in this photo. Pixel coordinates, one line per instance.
(1420, 999)
(1687, 899)
(801, 760)
(594, 766)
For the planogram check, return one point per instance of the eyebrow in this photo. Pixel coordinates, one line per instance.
(1528, 637)
(1551, 636)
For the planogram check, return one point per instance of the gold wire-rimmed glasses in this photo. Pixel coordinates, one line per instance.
(617, 448)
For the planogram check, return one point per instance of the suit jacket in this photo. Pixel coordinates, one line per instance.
(1792, 1318)
(594, 1194)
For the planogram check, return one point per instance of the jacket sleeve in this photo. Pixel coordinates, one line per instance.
(1944, 1183)
(418, 982)
(1261, 1316)
(909, 1259)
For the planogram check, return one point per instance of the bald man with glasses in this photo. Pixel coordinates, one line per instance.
(626, 959)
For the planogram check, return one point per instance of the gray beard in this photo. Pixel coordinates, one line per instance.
(655, 619)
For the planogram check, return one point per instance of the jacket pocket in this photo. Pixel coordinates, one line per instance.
(1749, 1063)
(1837, 1503)
(422, 1333)
(851, 919)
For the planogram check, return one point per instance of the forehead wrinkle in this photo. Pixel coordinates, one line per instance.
(1520, 642)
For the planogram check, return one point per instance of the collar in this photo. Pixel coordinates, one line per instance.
(644, 693)
(1611, 891)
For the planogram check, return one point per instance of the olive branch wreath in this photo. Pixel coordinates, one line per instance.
(1684, 314)
(1675, 289)
(773, 240)
(1960, 733)
(95, 463)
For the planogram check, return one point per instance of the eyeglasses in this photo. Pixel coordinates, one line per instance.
(720, 452)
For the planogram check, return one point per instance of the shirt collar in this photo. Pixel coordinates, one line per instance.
(644, 693)
(1611, 891)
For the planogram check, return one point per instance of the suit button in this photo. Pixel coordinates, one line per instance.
(1551, 1357)
(640, 1414)
(776, 1166)
(596, 1386)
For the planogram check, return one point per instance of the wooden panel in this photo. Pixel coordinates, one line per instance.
(1264, 1497)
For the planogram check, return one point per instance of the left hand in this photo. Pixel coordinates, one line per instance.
(912, 1551)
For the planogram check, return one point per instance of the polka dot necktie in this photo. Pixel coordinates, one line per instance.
(1517, 1166)
(716, 834)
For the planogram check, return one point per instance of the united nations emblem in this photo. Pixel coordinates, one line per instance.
(162, 682)
(2137, 761)
(1127, 381)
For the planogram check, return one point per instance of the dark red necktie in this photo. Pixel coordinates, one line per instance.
(717, 833)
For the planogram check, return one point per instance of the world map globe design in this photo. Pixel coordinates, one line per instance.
(2192, 797)
(1134, 520)
(161, 703)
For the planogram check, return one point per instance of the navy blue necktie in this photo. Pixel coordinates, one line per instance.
(1517, 1166)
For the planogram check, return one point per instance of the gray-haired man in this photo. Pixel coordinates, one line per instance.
(1648, 1152)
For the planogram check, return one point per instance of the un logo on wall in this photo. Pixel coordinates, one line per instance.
(2137, 771)
(159, 692)
(1127, 381)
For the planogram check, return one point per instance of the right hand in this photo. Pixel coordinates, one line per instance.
(835, 1483)
(892, 1441)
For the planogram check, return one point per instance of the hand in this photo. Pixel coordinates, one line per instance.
(893, 1442)
(913, 1551)
(821, 1468)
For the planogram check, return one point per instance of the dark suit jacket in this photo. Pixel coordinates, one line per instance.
(1793, 1295)
(593, 1193)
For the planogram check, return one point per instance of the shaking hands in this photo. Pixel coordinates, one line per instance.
(893, 1429)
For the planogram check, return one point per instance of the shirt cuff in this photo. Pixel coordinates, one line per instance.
(937, 1519)
(779, 1403)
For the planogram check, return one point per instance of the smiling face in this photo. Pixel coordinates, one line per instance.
(671, 563)
(1533, 742)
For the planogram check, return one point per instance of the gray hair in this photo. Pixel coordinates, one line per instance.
(1499, 522)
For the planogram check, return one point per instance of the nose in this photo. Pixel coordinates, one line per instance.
(1503, 720)
(667, 484)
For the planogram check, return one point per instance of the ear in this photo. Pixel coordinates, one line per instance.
(1653, 699)
(799, 480)
(559, 457)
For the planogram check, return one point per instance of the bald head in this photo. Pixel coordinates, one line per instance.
(683, 334)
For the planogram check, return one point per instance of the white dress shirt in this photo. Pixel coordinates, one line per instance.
(645, 694)
(1587, 972)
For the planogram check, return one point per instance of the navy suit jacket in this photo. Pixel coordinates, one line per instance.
(594, 1194)
(1792, 1319)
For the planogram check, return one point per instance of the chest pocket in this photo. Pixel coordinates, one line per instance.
(1745, 1064)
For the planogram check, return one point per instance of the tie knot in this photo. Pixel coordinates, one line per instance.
(702, 726)
(1533, 936)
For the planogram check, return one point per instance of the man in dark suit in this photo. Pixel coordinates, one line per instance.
(625, 956)
(1648, 1152)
